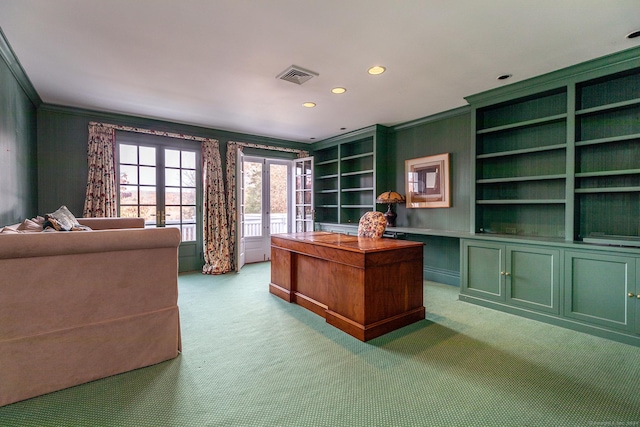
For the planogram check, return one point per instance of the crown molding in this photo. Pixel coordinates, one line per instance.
(10, 58)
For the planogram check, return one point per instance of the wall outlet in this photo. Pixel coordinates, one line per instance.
(510, 230)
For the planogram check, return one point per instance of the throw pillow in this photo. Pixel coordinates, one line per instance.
(29, 225)
(63, 220)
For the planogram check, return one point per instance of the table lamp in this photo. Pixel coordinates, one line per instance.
(389, 198)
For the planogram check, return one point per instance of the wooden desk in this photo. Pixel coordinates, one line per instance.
(365, 287)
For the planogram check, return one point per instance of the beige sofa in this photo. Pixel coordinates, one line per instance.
(82, 305)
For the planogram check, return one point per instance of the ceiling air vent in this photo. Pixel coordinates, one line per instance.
(297, 75)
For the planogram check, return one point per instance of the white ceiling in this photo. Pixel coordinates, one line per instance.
(214, 63)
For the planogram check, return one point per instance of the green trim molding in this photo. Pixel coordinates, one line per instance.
(14, 65)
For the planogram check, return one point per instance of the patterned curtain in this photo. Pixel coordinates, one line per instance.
(217, 257)
(100, 200)
(232, 206)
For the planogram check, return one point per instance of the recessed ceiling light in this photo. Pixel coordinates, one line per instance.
(503, 76)
(633, 34)
(338, 90)
(375, 70)
(343, 128)
(309, 104)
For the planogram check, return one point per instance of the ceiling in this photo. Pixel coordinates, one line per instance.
(214, 63)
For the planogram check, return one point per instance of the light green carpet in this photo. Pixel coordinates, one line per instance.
(251, 359)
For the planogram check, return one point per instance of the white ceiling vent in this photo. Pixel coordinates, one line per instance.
(297, 75)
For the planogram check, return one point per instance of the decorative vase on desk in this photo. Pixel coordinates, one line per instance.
(390, 198)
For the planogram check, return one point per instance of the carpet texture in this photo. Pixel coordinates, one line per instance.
(251, 359)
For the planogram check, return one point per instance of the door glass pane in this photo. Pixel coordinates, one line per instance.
(189, 160)
(189, 196)
(180, 192)
(128, 174)
(172, 158)
(147, 175)
(252, 199)
(137, 196)
(149, 215)
(129, 154)
(147, 195)
(172, 177)
(148, 156)
(278, 192)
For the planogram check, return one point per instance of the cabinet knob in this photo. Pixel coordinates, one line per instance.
(631, 295)
(502, 273)
(507, 274)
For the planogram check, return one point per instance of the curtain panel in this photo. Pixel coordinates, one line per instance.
(217, 255)
(100, 197)
(232, 204)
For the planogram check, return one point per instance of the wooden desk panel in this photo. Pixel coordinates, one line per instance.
(365, 287)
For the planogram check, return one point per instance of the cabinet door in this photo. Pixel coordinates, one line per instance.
(600, 289)
(483, 270)
(533, 278)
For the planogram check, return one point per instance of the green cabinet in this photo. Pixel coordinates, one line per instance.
(349, 175)
(556, 196)
(518, 275)
(601, 289)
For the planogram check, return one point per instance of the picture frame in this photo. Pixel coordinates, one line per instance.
(427, 182)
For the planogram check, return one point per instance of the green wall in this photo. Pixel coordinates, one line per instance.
(18, 178)
(62, 150)
(448, 132)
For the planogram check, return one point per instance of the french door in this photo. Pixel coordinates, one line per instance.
(266, 202)
(303, 187)
(159, 181)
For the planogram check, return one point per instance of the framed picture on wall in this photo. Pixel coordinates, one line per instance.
(427, 182)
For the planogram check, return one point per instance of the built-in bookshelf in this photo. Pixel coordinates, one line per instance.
(560, 162)
(520, 154)
(346, 181)
(607, 175)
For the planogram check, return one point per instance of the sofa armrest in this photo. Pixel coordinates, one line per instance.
(111, 223)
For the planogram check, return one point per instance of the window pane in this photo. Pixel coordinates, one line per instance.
(148, 156)
(147, 175)
(149, 215)
(172, 158)
(129, 212)
(307, 197)
(172, 214)
(189, 196)
(188, 214)
(307, 167)
(171, 196)
(128, 174)
(172, 177)
(188, 178)
(188, 160)
(253, 188)
(128, 154)
(147, 195)
(129, 195)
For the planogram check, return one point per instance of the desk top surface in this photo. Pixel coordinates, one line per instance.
(346, 242)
